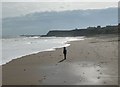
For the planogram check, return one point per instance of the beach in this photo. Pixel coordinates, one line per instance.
(93, 61)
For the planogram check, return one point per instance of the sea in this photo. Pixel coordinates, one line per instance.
(13, 48)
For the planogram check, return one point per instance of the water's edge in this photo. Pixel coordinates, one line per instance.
(66, 44)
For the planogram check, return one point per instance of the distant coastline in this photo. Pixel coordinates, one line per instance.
(89, 31)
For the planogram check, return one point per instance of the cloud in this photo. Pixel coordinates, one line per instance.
(41, 23)
(59, 0)
(11, 9)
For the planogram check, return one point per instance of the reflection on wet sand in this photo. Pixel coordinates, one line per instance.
(78, 73)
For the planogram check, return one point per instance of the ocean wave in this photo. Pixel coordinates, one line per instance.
(17, 47)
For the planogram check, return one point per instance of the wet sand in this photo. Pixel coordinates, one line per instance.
(93, 61)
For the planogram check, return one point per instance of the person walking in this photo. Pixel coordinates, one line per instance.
(64, 52)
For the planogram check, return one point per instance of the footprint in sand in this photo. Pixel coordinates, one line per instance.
(101, 73)
(98, 70)
(80, 80)
(44, 77)
(99, 65)
(104, 82)
(64, 81)
(98, 77)
(41, 80)
(88, 53)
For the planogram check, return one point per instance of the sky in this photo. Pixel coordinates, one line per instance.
(59, 0)
(15, 8)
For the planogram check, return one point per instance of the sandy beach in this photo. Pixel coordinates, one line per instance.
(93, 61)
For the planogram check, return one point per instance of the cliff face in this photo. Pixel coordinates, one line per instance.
(60, 33)
(84, 32)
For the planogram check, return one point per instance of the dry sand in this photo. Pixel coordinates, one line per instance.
(93, 61)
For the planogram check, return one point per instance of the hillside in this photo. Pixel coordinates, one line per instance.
(90, 31)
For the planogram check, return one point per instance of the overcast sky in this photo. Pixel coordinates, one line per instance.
(59, 0)
(12, 9)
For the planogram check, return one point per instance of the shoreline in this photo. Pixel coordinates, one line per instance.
(66, 44)
(35, 53)
(79, 69)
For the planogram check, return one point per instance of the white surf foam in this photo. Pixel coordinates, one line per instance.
(13, 48)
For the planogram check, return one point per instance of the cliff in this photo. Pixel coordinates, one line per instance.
(90, 31)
